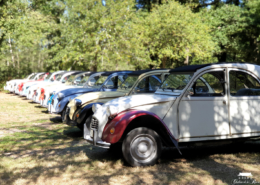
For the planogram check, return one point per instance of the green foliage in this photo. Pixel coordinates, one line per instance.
(174, 32)
(51, 35)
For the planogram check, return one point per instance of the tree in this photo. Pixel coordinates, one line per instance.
(176, 35)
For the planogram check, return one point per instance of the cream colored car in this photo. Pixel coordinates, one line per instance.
(80, 111)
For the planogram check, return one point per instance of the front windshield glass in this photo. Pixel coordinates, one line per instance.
(48, 76)
(72, 79)
(40, 77)
(127, 84)
(176, 82)
(95, 82)
(66, 78)
(32, 77)
(83, 80)
(58, 77)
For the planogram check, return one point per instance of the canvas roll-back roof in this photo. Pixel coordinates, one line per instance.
(240, 65)
(107, 73)
(190, 68)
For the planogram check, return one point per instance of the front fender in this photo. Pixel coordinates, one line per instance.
(59, 107)
(125, 121)
(84, 112)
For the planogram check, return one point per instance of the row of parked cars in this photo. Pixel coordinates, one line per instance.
(142, 111)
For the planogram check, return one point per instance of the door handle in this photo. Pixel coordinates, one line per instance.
(224, 102)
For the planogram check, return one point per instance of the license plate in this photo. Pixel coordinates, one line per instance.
(92, 133)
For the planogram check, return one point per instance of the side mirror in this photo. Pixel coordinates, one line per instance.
(190, 92)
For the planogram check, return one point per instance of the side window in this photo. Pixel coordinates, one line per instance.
(154, 84)
(243, 84)
(121, 79)
(148, 85)
(111, 83)
(210, 84)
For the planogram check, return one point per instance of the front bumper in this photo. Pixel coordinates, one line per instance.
(93, 140)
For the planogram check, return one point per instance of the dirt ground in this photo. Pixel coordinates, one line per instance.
(37, 148)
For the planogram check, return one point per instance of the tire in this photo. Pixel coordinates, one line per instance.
(142, 147)
(81, 127)
(63, 114)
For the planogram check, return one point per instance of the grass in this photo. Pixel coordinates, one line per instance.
(36, 148)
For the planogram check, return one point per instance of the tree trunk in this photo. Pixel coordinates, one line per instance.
(186, 62)
(163, 65)
(11, 51)
(39, 62)
(18, 64)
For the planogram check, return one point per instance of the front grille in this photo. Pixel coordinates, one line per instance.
(36, 94)
(94, 124)
(52, 102)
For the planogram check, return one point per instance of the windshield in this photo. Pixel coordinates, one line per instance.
(48, 76)
(82, 81)
(66, 78)
(54, 77)
(58, 77)
(95, 81)
(32, 77)
(40, 77)
(127, 84)
(176, 82)
(72, 79)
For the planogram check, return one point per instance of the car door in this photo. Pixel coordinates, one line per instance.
(244, 102)
(205, 112)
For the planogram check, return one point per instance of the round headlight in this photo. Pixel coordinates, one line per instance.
(95, 107)
(61, 96)
(77, 102)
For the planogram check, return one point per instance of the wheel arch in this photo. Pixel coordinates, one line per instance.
(126, 121)
(152, 123)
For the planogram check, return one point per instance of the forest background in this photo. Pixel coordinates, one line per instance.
(101, 35)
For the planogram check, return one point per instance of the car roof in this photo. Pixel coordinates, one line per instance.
(107, 73)
(144, 71)
(194, 68)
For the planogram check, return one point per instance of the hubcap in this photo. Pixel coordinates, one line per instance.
(143, 148)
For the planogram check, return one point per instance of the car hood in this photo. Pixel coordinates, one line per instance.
(17, 81)
(99, 95)
(59, 87)
(28, 84)
(89, 97)
(128, 102)
(71, 91)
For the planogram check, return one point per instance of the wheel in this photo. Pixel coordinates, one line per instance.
(63, 114)
(81, 127)
(142, 147)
